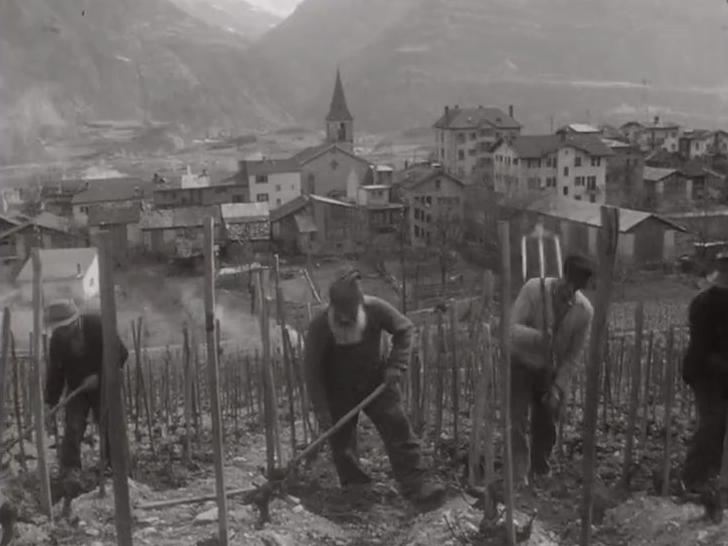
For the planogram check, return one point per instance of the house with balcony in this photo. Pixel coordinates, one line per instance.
(435, 204)
(464, 138)
(650, 136)
(567, 165)
(696, 143)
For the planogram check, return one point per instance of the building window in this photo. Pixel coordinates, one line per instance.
(473, 136)
(261, 178)
(566, 171)
(278, 202)
(437, 184)
(278, 187)
(262, 198)
(591, 182)
(577, 162)
(461, 154)
(334, 165)
(596, 161)
(566, 190)
(592, 198)
(515, 161)
(238, 199)
(577, 197)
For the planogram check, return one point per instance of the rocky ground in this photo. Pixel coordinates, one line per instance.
(314, 511)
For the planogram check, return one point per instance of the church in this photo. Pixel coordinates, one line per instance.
(332, 169)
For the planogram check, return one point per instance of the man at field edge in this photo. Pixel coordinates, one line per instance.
(344, 363)
(705, 371)
(539, 378)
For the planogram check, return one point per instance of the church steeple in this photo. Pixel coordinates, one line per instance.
(339, 121)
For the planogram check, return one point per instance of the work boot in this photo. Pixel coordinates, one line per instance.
(428, 494)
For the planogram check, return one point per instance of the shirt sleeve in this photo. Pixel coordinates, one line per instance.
(314, 353)
(56, 376)
(526, 341)
(396, 324)
(579, 336)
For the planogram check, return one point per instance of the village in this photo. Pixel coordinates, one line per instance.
(425, 231)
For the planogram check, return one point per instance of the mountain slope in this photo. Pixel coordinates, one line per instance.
(237, 16)
(78, 60)
(526, 52)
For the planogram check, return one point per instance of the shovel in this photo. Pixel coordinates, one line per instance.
(90, 383)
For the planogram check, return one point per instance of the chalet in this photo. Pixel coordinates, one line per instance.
(177, 232)
(273, 181)
(312, 224)
(381, 218)
(114, 192)
(19, 234)
(435, 204)
(645, 238)
(66, 273)
(123, 223)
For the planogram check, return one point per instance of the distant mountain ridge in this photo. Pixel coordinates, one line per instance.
(81, 60)
(246, 19)
(403, 60)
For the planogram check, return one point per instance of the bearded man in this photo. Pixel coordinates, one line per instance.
(344, 363)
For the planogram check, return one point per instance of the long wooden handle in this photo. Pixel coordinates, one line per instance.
(340, 423)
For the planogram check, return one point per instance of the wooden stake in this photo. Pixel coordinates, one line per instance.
(505, 321)
(37, 382)
(607, 253)
(455, 367)
(113, 397)
(17, 403)
(634, 400)
(188, 396)
(669, 400)
(212, 367)
(4, 357)
(287, 359)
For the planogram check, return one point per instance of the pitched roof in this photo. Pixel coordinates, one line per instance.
(288, 208)
(44, 220)
(59, 264)
(580, 128)
(178, 218)
(100, 215)
(698, 134)
(655, 174)
(339, 111)
(244, 211)
(471, 118)
(272, 166)
(309, 154)
(305, 223)
(590, 213)
(538, 146)
(419, 174)
(111, 190)
(329, 200)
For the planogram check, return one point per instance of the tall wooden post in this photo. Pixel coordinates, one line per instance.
(634, 400)
(607, 254)
(37, 386)
(4, 359)
(505, 321)
(213, 373)
(113, 396)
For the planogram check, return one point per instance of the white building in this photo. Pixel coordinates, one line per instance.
(567, 165)
(273, 181)
(66, 272)
(191, 180)
(464, 137)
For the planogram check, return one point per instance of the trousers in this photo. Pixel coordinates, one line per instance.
(705, 448)
(390, 420)
(76, 419)
(534, 421)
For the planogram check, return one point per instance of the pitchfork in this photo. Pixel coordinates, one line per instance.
(541, 234)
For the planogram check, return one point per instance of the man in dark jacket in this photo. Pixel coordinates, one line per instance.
(344, 363)
(75, 353)
(705, 370)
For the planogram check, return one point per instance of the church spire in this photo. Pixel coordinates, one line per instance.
(339, 111)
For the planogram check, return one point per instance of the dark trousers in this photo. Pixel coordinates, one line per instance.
(388, 416)
(77, 412)
(705, 449)
(534, 421)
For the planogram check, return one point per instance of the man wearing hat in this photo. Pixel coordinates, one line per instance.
(539, 377)
(344, 363)
(75, 352)
(705, 370)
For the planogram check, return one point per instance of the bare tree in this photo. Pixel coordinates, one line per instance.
(446, 237)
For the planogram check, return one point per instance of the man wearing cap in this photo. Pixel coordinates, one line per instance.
(344, 363)
(75, 353)
(705, 370)
(539, 377)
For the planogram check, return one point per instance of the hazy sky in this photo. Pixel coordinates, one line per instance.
(280, 7)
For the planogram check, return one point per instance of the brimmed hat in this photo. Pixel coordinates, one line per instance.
(719, 276)
(60, 313)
